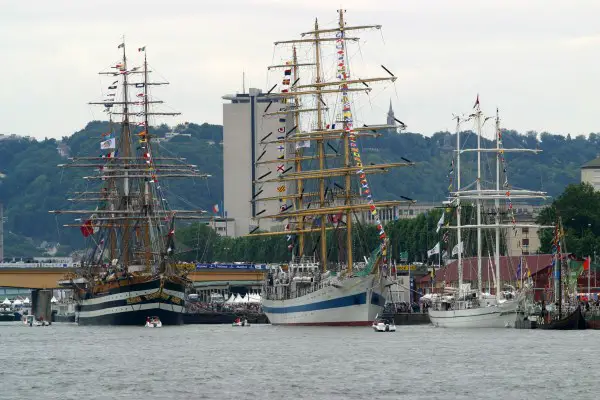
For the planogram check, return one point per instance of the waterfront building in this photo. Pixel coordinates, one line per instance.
(246, 124)
(590, 173)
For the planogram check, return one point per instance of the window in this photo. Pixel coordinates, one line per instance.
(524, 230)
(525, 242)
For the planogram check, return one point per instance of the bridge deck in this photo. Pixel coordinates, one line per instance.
(47, 278)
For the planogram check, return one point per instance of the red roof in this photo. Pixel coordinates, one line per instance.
(508, 268)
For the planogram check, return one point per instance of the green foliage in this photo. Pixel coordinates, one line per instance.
(578, 207)
(19, 246)
(199, 242)
(415, 235)
(33, 185)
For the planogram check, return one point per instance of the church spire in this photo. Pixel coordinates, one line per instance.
(391, 119)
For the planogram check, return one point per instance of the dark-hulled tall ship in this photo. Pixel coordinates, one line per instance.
(129, 271)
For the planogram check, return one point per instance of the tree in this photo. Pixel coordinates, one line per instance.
(578, 208)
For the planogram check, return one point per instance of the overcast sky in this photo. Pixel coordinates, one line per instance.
(537, 60)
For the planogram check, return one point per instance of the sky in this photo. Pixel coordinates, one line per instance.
(536, 60)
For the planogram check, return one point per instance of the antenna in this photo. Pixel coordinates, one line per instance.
(243, 82)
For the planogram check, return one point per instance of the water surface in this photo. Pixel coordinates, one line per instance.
(66, 361)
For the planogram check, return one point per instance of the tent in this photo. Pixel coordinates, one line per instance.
(238, 298)
(26, 301)
(17, 302)
(53, 300)
(231, 299)
(254, 298)
(6, 301)
(244, 299)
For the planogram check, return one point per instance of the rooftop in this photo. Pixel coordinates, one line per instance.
(508, 268)
(595, 163)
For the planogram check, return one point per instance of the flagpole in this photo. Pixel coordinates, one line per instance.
(589, 275)
(432, 274)
(440, 257)
(409, 286)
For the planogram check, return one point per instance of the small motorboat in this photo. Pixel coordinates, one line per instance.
(31, 321)
(240, 322)
(153, 322)
(381, 325)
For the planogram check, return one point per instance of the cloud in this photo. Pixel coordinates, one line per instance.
(526, 57)
(583, 41)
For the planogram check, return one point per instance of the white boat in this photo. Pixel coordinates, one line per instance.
(501, 315)
(384, 326)
(467, 308)
(325, 292)
(31, 321)
(350, 301)
(153, 322)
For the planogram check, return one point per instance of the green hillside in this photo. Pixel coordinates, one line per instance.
(31, 184)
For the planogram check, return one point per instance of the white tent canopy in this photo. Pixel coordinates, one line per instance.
(26, 301)
(6, 301)
(254, 298)
(17, 302)
(248, 298)
(53, 300)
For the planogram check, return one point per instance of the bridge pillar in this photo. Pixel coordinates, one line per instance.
(40, 304)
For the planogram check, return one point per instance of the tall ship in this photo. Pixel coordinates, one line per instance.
(322, 183)
(472, 307)
(128, 271)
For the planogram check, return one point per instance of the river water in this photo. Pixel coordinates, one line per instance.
(66, 361)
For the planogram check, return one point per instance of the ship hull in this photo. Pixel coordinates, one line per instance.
(503, 316)
(8, 317)
(356, 302)
(132, 303)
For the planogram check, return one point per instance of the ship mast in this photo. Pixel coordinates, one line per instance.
(347, 182)
(298, 157)
(321, 146)
(478, 182)
(130, 211)
(479, 195)
(497, 206)
(144, 139)
(321, 135)
(458, 209)
(125, 143)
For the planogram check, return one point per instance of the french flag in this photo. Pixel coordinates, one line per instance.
(216, 208)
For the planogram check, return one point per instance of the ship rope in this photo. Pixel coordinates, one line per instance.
(343, 75)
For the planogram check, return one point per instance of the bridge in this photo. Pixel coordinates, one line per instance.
(203, 275)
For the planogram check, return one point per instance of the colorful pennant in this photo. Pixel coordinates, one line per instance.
(347, 116)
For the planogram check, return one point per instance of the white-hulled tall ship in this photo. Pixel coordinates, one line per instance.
(128, 272)
(318, 129)
(466, 307)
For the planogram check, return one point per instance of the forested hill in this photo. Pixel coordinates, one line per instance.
(31, 184)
